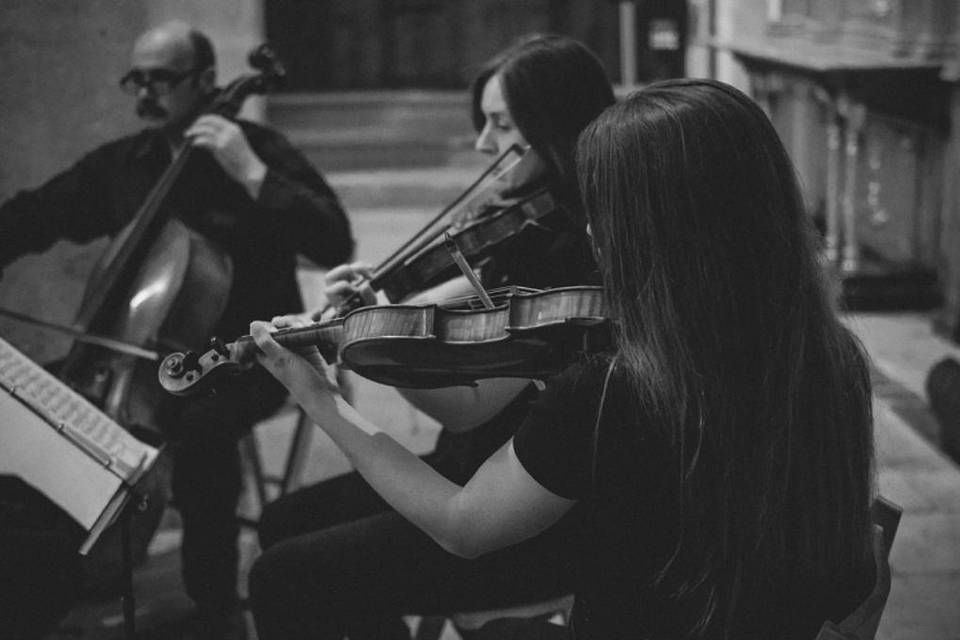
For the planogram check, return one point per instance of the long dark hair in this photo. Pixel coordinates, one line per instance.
(732, 343)
(554, 86)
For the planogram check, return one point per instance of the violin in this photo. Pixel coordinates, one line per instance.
(526, 333)
(476, 239)
(479, 219)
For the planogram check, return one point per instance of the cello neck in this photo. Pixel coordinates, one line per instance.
(224, 102)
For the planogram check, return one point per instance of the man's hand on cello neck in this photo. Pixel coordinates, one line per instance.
(229, 146)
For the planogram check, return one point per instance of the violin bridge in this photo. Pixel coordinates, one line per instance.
(465, 268)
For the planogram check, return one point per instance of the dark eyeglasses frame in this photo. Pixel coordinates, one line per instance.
(158, 81)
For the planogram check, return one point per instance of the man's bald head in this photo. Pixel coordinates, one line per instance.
(179, 43)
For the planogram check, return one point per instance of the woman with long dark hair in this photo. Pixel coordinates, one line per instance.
(732, 356)
(338, 560)
(723, 448)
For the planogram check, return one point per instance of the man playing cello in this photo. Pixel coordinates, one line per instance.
(248, 192)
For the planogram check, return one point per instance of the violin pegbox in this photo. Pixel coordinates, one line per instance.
(187, 373)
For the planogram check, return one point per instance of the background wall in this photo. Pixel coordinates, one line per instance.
(59, 99)
(722, 21)
(738, 19)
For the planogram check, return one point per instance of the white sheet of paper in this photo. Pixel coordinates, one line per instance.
(33, 450)
(83, 422)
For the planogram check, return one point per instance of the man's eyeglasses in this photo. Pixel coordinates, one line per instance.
(158, 81)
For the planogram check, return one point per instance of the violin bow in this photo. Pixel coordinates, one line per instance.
(504, 163)
(83, 336)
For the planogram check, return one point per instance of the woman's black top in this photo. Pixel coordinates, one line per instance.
(631, 518)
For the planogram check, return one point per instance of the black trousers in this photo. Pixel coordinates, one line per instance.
(202, 433)
(339, 562)
(40, 569)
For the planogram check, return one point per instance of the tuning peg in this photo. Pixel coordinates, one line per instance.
(217, 345)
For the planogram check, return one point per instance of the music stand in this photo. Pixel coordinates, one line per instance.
(98, 462)
(130, 503)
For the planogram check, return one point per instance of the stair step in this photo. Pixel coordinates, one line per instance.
(381, 154)
(435, 113)
(429, 188)
(350, 131)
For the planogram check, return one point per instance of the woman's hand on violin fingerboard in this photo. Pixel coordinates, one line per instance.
(293, 320)
(346, 280)
(303, 370)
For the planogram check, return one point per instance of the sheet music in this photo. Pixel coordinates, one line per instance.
(72, 415)
(35, 452)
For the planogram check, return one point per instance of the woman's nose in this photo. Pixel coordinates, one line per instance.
(485, 142)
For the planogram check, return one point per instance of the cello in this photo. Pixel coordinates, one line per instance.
(158, 286)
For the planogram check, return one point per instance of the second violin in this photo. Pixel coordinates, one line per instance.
(433, 264)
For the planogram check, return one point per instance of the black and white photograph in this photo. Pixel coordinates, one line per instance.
(480, 320)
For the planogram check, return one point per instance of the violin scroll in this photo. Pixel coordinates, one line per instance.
(179, 372)
(186, 373)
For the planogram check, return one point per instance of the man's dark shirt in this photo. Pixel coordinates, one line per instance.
(296, 212)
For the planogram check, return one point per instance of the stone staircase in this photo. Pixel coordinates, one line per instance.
(386, 153)
(350, 131)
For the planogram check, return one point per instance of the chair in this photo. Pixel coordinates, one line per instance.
(860, 625)
(469, 623)
(943, 390)
(296, 456)
(863, 622)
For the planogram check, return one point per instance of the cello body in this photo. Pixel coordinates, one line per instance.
(172, 301)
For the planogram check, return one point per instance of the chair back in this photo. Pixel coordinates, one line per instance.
(862, 623)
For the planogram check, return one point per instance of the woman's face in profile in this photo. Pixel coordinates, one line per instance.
(500, 131)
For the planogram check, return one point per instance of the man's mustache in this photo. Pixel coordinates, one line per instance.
(150, 109)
